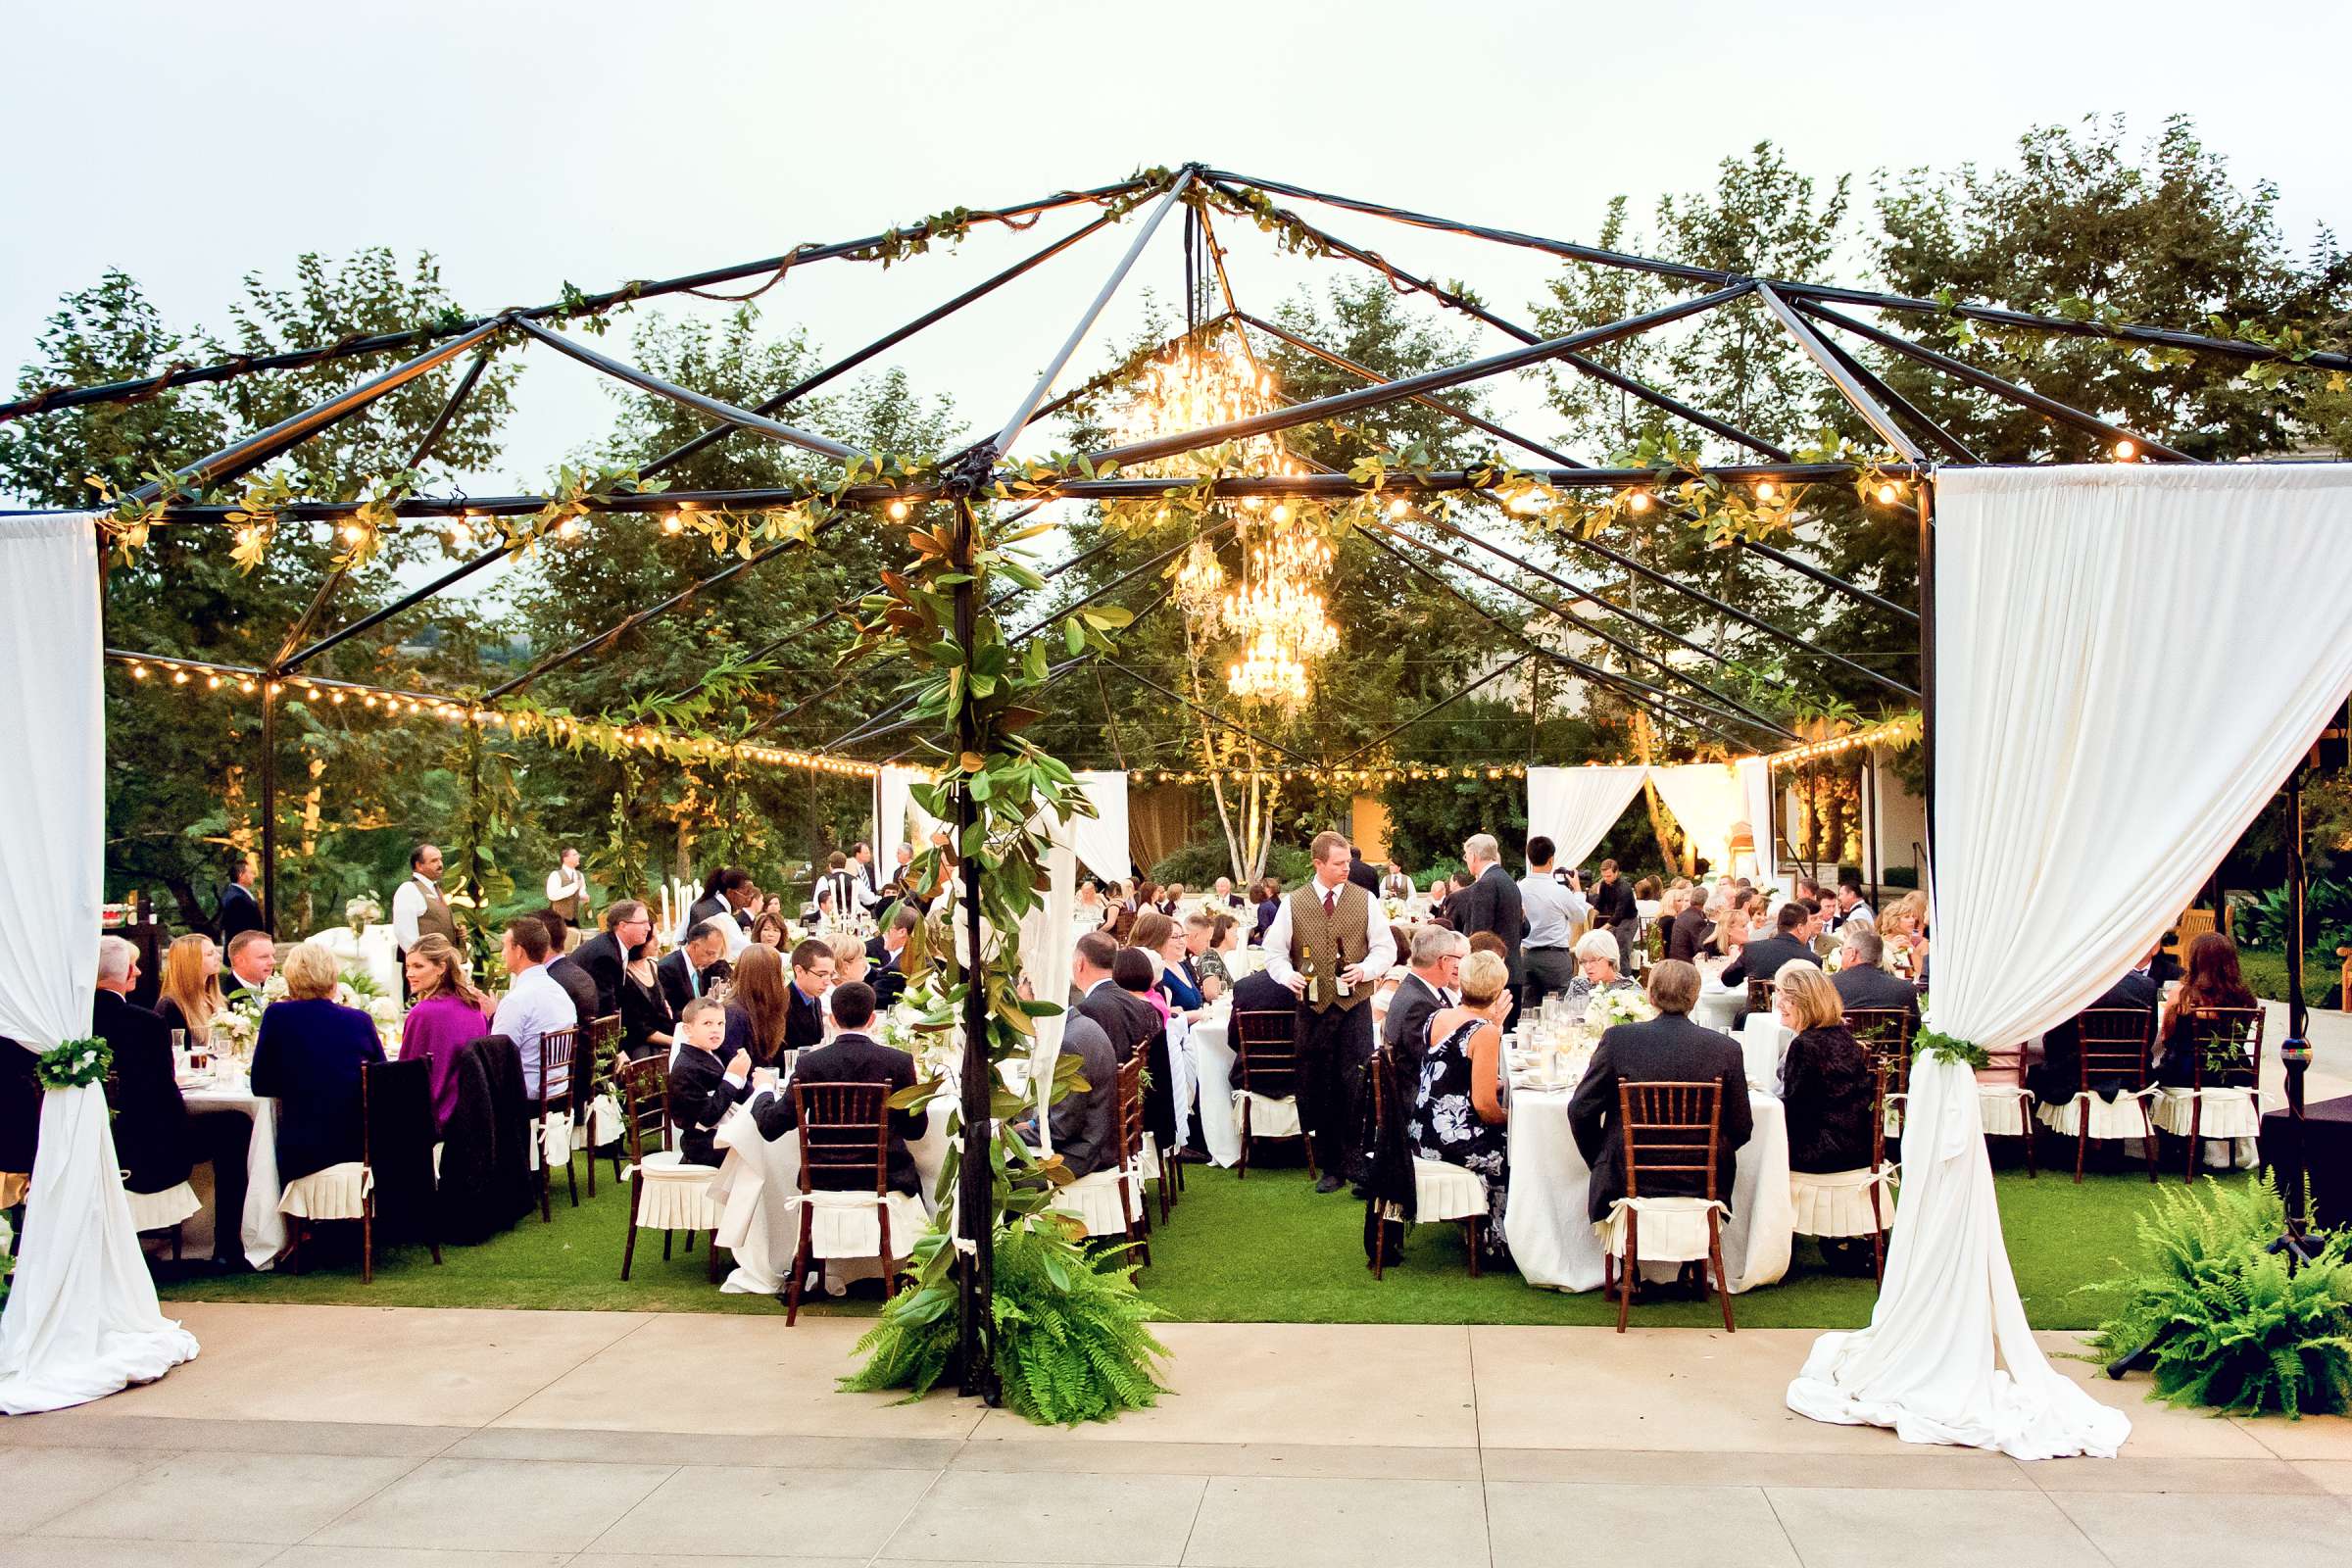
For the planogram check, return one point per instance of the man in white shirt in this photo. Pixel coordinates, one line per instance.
(869, 877)
(847, 888)
(1547, 958)
(568, 888)
(419, 909)
(1329, 944)
(534, 1005)
(1395, 885)
(1850, 905)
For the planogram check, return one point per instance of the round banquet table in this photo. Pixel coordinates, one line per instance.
(261, 1229)
(1719, 1005)
(1208, 1044)
(1554, 1241)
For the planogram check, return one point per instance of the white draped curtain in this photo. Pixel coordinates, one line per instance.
(2129, 661)
(81, 1320)
(1706, 798)
(890, 826)
(1576, 806)
(1101, 839)
(1755, 782)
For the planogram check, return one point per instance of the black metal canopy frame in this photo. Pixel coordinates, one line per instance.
(1802, 309)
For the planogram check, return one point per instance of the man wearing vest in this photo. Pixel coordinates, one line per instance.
(419, 911)
(1330, 944)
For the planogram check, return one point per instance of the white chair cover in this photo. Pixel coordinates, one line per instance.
(2123, 1116)
(339, 1192)
(2229, 1112)
(2005, 1109)
(1445, 1191)
(1268, 1117)
(676, 1196)
(849, 1224)
(1837, 1203)
(159, 1211)
(555, 1143)
(1094, 1200)
(1674, 1230)
(601, 1127)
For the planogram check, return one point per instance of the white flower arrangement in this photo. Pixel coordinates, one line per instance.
(1618, 1005)
(364, 910)
(234, 1027)
(1392, 907)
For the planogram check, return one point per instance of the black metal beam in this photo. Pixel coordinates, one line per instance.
(1848, 387)
(1898, 404)
(1830, 580)
(149, 386)
(1985, 380)
(700, 403)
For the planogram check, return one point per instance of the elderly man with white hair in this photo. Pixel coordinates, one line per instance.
(1491, 902)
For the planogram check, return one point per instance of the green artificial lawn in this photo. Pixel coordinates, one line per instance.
(1266, 1249)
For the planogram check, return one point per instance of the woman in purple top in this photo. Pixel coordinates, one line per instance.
(447, 1016)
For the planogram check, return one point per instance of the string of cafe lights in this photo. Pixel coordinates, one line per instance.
(1397, 773)
(199, 677)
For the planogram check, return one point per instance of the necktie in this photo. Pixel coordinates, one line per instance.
(1330, 904)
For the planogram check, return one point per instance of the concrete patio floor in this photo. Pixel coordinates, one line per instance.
(312, 1435)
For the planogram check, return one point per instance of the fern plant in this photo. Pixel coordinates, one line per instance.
(1072, 1343)
(2241, 1333)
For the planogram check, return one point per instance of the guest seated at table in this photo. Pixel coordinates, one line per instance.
(1667, 1048)
(189, 998)
(151, 1123)
(1825, 1081)
(1163, 940)
(1730, 935)
(628, 926)
(565, 971)
(447, 1016)
(1224, 938)
(1269, 905)
(849, 961)
(1458, 1116)
(1862, 980)
(534, 1007)
(1595, 968)
(812, 978)
(1132, 972)
(1260, 992)
(1222, 899)
(2058, 1077)
(1438, 958)
(704, 1087)
(1903, 928)
(648, 1024)
(768, 930)
(2213, 981)
(851, 1056)
(697, 966)
(251, 960)
(1088, 911)
(759, 1007)
(886, 956)
(1085, 1121)
(308, 1059)
(1126, 1021)
(1195, 932)
(1792, 938)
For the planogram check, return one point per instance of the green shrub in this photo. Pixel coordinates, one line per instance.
(1071, 1341)
(2241, 1333)
(1201, 862)
(2260, 918)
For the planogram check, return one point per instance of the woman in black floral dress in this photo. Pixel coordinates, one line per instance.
(1458, 1116)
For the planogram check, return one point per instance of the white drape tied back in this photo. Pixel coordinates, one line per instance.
(2128, 661)
(1576, 806)
(81, 1320)
(1706, 798)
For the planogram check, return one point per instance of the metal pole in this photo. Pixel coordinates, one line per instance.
(269, 810)
(2295, 1054)
(976, 1200)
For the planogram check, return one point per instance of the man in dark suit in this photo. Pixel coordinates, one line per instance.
(812, 978)
(696, 967)
(1260, 992)
(1437, 972)
(886, 956)
(1862, 981)
(1762, 958)
(628, 926)
(249, 960)
(2058, 1077)
(1085, 1121)
(1362, 875)
(852, 1057)
(1691, 928)
(576, 981)
(1615, 910)
(240, 910)
(1491, 902)
(1126, 1021)
(1668, 1049)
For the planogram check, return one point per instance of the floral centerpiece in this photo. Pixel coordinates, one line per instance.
(1392, 908)
(1605, 1009)
(363, 912)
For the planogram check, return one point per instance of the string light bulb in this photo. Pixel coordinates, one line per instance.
(1890, 493)
(179, 677)
(138, 672)
(353, 533)
(670, 522)
(1766, 489)
(2125, 450)
(1639, 500)
(1397, 506)
(897, 510)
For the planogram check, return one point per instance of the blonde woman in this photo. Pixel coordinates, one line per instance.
(1458, 1112)
(1903, 928)
(190, 998)
(1826, 1082)
(308, 1059)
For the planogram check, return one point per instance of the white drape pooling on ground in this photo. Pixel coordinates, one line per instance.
(81, 1320)
(1755, 778)
(1706, 798)
(1101, 839)
(1576, 806)
(2130, 659)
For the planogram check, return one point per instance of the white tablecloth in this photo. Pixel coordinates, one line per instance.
(1212, 1069)
(263, 1229)
(756, 1182)
(1553, 1241)
(1719, 1005)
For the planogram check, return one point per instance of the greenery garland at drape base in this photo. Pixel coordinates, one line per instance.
(1070, 1339)
(2239, 1331)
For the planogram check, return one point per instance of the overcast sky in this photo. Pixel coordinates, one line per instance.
(590, 141)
